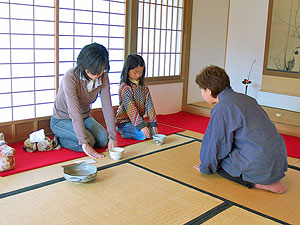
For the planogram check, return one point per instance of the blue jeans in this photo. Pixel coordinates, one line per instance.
(64, 132)
(129, 131)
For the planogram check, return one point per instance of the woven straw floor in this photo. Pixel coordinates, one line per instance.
(150, 185)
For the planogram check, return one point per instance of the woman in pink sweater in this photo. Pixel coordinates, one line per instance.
(71, 122)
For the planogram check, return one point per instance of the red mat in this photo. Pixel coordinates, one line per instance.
(292, 145)
(186, 121)
(28, 161)
(199, 124)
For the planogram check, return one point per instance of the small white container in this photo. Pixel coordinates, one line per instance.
(116, 153)
(159, 138)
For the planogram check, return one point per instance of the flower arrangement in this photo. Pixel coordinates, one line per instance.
(247, 80)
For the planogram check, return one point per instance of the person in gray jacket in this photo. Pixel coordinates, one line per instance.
(72, 123)
(241, 143)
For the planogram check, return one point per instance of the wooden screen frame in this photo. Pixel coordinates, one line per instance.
(281, 82)
(19, 130)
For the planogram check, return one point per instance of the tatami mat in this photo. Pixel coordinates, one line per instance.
(127, 194)
(293, 161)
(297, 164)
(178, 164)
(192, 134)
(123, 194)
(237, 216)
(44, 174)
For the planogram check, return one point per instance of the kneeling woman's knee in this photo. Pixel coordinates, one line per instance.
(92, 140)
(102, 139)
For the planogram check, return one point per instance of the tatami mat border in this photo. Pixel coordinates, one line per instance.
(216, 209)
(32, 187)
(57, 180)
(183, 135)
(294, 167)
(210, 214)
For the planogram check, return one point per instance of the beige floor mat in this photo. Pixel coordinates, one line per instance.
(123, 194)
(44, 174)
(297, 163)
(293, 161)
(192, 134)
(178, 164)
(237, 216)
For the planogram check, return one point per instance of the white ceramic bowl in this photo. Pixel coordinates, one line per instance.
(159, 138)
(80, 173)
(116, 153)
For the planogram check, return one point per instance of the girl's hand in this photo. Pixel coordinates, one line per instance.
(91, 152)
(155, 130)
(146, 132)
(111, 144)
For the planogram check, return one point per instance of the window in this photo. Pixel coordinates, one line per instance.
(27, 58)
(28, 51)
(40, 40)
(160, 36)
(83, 22)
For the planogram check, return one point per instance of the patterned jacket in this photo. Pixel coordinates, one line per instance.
(135, 101)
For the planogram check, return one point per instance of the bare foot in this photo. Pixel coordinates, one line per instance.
(197, 167)
(276, 187)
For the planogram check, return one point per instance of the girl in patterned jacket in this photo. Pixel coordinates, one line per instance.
(135, 102)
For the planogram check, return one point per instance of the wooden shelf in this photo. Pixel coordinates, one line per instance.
(199, 108)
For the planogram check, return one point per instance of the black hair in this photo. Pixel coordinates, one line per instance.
(94, 58)
(132, 61)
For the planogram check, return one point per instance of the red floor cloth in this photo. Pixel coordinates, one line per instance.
(292, 145)
(186, 121)
(199, 124)
(27, 161)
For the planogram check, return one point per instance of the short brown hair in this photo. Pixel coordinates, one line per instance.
(213, 78)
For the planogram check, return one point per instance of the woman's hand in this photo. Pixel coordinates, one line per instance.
(91, 152)
(111, 144)
(146, 132)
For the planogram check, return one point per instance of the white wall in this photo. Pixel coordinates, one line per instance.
(167, 98)
(208, 40)
(245, 43)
